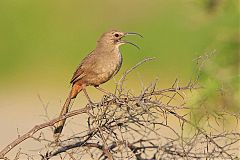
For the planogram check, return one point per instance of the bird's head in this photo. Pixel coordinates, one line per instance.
(114, 37)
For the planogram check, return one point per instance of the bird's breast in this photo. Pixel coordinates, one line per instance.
(105, 67)
(110, 65)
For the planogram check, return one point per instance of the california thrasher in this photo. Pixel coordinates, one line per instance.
(96, 68)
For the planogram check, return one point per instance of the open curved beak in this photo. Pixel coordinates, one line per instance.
(133, 33)
(127, 42)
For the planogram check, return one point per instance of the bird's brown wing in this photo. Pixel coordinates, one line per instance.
(83, 68)
(78, 74)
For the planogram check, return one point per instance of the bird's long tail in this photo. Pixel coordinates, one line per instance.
(60, 124)
(59, 127)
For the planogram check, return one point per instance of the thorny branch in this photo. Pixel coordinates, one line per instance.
(155, 124)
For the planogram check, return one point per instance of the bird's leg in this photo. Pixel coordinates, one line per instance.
(105, 91)
(87, 96)
(91, 104)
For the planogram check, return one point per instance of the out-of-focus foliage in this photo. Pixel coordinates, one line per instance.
(218, 70)
(219, 91)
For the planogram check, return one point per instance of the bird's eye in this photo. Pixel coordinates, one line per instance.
(116, 35)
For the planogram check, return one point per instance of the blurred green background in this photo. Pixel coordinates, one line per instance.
(42, 42)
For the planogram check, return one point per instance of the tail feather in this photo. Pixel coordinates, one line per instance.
(60, 124)
(73, 93)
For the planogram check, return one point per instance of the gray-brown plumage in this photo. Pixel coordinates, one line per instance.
(96, 68)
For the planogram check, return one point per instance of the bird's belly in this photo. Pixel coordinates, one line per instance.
(105, 71)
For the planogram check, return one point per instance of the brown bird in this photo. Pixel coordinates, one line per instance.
(96, 68)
